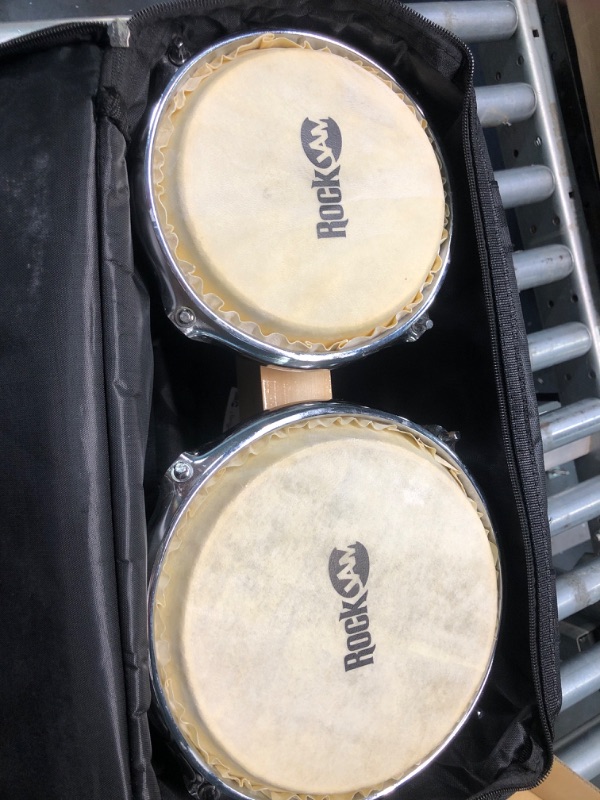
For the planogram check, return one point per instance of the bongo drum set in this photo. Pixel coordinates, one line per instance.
(296, 206)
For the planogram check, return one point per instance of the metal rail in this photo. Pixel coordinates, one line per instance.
(551, 148)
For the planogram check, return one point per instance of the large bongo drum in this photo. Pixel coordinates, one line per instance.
(324, 603)
(294, 200)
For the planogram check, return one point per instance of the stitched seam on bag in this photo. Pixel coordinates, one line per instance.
(531, 504)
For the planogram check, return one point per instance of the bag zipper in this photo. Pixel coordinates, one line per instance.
(56, 35)
(509, 448)
(161, 9)
(469, 115)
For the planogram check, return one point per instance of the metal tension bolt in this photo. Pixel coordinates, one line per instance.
(423, 324)
(449, 438)
(185, 317)
(181, 471)
(177, 53)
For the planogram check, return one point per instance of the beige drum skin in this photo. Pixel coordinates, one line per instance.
(325, 605)
(298, 196)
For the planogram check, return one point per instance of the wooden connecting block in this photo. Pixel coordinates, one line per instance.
(262, 388)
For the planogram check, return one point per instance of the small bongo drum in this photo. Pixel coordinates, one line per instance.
(324, 604)
(294, 200)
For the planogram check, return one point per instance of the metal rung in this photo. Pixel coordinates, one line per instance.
(578, 589)
(472, 20)
(574, 506)
(556, 345)
(580, 676)
(504, 104)
(570, 423)
(523, 185)
(583, 755)
(542, 265)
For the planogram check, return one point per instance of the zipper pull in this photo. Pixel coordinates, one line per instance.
(118, 33)
(177, 53)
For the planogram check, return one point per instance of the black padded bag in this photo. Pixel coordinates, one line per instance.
(99, 393)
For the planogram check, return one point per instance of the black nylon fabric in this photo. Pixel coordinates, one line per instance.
(128, 366)
(77, 394)
(63, 698)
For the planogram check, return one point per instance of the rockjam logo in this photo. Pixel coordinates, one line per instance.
(349, 573)
(322, 144)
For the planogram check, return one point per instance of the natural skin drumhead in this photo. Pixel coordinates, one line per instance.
(301, 192)
(326, 611)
